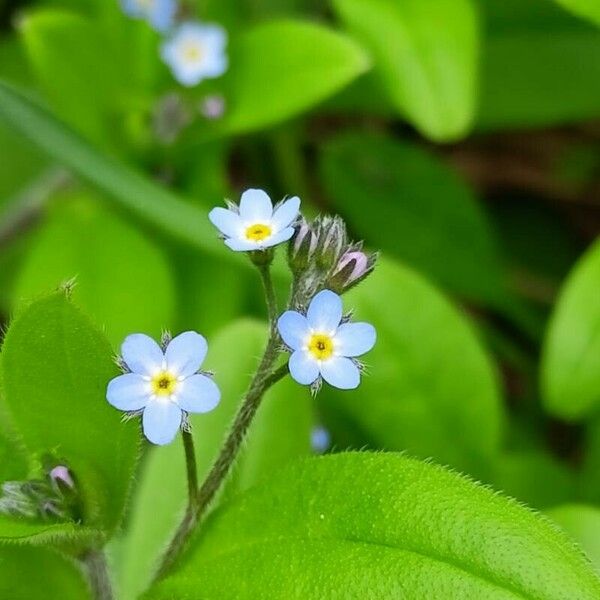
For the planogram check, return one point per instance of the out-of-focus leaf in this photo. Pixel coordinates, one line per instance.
(588, 9)
(535, 478)
(75, 66)
(55, 366)
(122, 279)
(589, 482)
(427, 56)
(583, 524)
(280, 432)
(28, 573)
(403, 200)
(13, 461)
(430, 388)
(385, 526)
(282, 68)
(570, 375)
(540, 66)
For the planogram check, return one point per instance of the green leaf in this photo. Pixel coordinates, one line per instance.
(22, 531)
(280, 432)
(116, 268)
(426, 54)
(534, 477)
(583, 524)
(55, 367)
(438, 225)
(139, 195)
(28, 573)
(64, 49)
(538, 70)
(570, 376)
(430, 388)
(297, 64)
(358, 525)
(588, 9)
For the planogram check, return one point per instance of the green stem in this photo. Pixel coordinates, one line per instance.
(192, 470)
(265, 275)
(97, 571)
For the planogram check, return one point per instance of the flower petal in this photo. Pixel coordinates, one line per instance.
(325, 312)
(354, 339)
(198, 394)
(303, 367)
(340, 372)
(241, 245)
(142, 354)
(128, 392)
(293, 328)
(226, 221)
(256, 207)
(285, 214)
(161, 420)
(185, 353)
(281, 236)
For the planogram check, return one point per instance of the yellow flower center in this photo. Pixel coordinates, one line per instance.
(191, 53)
(164, 384)
(321, 346)
(258, 232)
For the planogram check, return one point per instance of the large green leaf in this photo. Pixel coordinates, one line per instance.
(282, 68)
(117, 269)
(280, 432)
(589, 9)
(427, 56)
(55, 366)
(379, 525)
(583, 524)
(23, 531)
(438, 227)
(570, 376)
(28, 573)
(430, 388)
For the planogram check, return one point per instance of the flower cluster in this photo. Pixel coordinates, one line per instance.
(193, 51)
(164, 384)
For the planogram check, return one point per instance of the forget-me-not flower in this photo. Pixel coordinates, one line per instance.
(323, 344)
(255, 224)
(159, 13)
(196, 51)
(164, 385)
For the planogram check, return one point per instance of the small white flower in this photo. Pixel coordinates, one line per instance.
(322, 345)
(164, 385)
(256, 225)
(195, 52)
(159, 13)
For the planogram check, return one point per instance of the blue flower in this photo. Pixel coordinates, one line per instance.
(256, 225)
(159, 13)
(325, 345)
(195, 52)
(164, 385)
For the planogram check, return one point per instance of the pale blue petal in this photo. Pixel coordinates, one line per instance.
(185, 353)
(281, 236)
(162, 15)
(226, 221)
(256, 207)
(198, 394)
(142, 354)
(293, 328)
(215, 65)
(286, 213)
(303, 367)
(340, 372)
(241, 245)
(187, 76)
(325, 312)
(354, 339)
(128, 392)
(132, 8)
(161, 421)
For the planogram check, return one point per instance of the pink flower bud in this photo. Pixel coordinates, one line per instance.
(61, 475)
(351, 269)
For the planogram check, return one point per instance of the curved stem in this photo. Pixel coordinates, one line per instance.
(265, 275)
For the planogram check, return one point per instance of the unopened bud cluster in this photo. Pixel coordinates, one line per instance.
(49, 499)
(321, 256)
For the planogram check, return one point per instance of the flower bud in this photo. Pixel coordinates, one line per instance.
(352, 268)
(332, 241)
(61, 477)
(302, 247)
(212, 107)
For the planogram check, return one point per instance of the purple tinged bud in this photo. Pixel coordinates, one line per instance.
(61, 476)
(302, 247)
(352, 268)
(212, 107)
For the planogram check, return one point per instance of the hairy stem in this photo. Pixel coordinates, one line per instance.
(95, 565)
